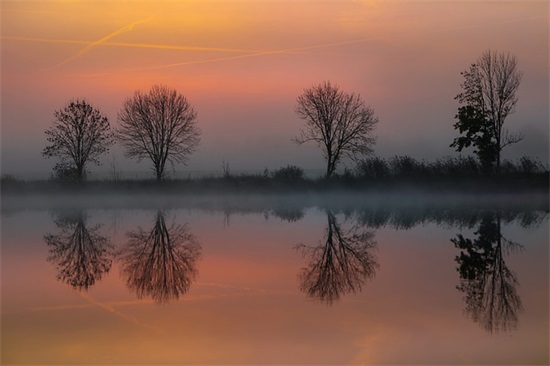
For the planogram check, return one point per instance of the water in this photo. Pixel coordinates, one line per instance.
(264, 282)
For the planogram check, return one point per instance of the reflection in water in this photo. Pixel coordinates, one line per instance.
(160, 263)
(490, 287)
(340, 265)
(82, 256)
(289, 214)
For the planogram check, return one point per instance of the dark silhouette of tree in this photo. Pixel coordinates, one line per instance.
(81, 254)
(489, 286)
(288, 213)
(160, 263)
(487, 99)
(340, 123)
(340, 264)
(80, 135)
(160, 125)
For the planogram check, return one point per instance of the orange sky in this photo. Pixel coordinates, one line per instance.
(242, 65)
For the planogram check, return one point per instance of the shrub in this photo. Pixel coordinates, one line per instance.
(290, 173)
(67, 173)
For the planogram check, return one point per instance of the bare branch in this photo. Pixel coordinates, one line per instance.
(160, 126)
(339, 123)
(80, 135)
(488, 98)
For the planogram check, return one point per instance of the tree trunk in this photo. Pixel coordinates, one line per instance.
(80, 173)
(498, 164)
(330, 165)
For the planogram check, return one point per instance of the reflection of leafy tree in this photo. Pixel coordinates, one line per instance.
(160, 263)
(490, 287)
(340, 265)
(81, 254)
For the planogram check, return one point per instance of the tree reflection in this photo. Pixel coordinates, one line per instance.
(160, 263)
(81, 254)
(289, 214)
(340, 264)
(489, 286)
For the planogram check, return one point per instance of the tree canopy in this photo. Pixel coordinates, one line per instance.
(160, 125)
(488, 97)
(80, 135)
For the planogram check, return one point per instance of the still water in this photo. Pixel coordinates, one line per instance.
(275, 284)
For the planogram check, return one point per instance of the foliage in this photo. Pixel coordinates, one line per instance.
(290, 173)
(488, 97)
(462, 167)
(65, 172)
(160, 125)
(80, 135)
(338, 122)
(489, 286)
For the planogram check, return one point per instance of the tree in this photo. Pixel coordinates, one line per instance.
(489, 286)
(160, 263)
(340, 265)
(340, 123)
(80, 135)
(160, 126)
(81, 254)
(487, 99)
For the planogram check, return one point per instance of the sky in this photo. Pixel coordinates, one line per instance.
(242, 64)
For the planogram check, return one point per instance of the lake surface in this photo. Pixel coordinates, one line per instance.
(275, 281)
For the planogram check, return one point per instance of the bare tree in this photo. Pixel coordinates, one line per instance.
(160, 263)
(488, 98)
(80, 134)
(160, 125)
(81, 254)
(340, 264)
(340, 123)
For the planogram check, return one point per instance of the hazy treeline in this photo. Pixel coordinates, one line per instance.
(395, 173)
(447, 167)
(375, 210)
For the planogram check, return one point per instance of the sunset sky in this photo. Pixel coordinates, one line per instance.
(243, 63)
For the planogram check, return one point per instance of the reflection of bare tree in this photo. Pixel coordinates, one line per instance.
(81, 254)
(160, 263)
(490, 287)
(340, 265)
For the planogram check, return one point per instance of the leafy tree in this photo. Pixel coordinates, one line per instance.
(160, 125)
(340, 123)
(80, 135)
(488, 97)
(489, 286)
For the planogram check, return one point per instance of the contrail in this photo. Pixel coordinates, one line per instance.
(132, 45)
(87, 49)
(117, 313)
(325, 45)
